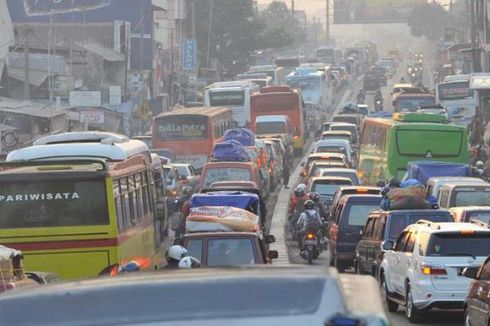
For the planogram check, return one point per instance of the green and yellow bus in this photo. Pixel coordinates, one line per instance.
(80, 204)
(387, 145)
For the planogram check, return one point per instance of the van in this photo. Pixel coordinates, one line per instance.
(346, 225)
(456, 194)
(435, 183)
(387, 226)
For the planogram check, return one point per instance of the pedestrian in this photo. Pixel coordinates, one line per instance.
(285, 172)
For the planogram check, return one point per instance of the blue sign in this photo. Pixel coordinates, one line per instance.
(49, 7)
(189, 54)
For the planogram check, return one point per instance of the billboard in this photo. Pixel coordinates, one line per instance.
(373, 11)
(50, 7)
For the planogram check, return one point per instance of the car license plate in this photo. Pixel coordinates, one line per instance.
(310, 242)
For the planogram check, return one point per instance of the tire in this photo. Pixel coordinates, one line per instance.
(411, 312)
(392, 306)
(341, 265)
(310, 257)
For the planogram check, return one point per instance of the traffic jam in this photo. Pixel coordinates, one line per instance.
(346, 185)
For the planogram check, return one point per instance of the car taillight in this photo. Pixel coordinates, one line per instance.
(433, 270)
(310, 236)
(333, 232)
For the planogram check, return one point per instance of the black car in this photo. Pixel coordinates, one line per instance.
(388, 225)
(346, 225)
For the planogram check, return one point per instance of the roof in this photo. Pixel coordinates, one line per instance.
(333, 170)
(203, 111)
(337, 132)
(367, 197)
(329, 178)
(219, 164)
(227, 84)
(36, 77)
(450, 227)
(325, 155)
(463, 184)
(29, 108)
(335, 142)
(346, 124)
(96, 48)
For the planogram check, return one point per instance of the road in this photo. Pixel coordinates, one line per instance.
(396, 318)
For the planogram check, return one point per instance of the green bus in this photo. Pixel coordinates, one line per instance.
(387, 145)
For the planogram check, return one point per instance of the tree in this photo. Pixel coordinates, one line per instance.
(280, 22)
(428, 20)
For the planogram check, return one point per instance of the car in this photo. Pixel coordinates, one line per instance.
(423, 268)
(347, 127)
(168, 153)
(348, 118)
(316, 165)
(327, 186)
(220, 249)
(466, 213)
(319, 157)
(342, 172)
(477, 303)
(385, 226)
(338, 134)
(460, 194)
(188, 176)
(204, 297)
(345, 227)
(335, 146)
(353, 190)
(275, 163)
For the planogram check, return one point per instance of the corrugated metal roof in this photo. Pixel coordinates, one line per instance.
(36, 77)
(100, 50)
(28, 108)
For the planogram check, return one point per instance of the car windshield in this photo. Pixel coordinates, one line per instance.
(331, 149)
(328, 189)
(183, 170)
(226, 174)
(358, 213)
(230, 252)
(483, 216)
(458, 244)
(472, 198)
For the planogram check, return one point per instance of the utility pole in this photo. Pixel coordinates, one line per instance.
(474, 50)
(193, 19)
(143, 14)
(210, 27)
(27, 85)
(292, 8)
(327, 25)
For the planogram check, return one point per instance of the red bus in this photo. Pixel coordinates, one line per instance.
(190, 133)
(280, 100)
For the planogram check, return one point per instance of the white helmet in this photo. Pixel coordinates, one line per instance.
(189, 262)
(176, 252)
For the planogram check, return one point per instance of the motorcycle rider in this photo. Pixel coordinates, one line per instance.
(298, 198)
(308, 220)
(315, 197)
(185, 210)
(378, 101)
(361, 97)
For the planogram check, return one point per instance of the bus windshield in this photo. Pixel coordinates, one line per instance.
(306, 83)
(182, 127)
(412, 103)
(227, 98)
(454, 91)
(52, 203)
(270, 127)
(435, 143)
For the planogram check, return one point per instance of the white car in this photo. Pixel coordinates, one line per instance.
(335, 146)
(423, 269)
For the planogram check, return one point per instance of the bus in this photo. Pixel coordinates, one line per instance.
(280, 100)
(234, 95)
(387, 145)
(190, 133)
(313, 87)
(458, 98)
(80, 204)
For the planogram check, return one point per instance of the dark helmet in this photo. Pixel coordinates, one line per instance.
(394, 183)
(187, 192)
(309, 204)
(315, 197)
(380, 183)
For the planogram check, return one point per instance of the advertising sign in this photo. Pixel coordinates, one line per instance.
(183, 128)
(92, 117)
(373, 11)
(189, 54)
(85, 98)
(50, 7)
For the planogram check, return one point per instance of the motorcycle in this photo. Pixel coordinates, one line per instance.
(312, 246)
(292, 224)
(378, 105)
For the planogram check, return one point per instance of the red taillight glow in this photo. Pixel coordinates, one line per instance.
(433, 270)
(310, 236)
(295, 137)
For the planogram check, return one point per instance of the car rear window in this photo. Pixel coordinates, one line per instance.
(472, 198)
(183, 170)
(331, 149)
(399, 222)
(358, 213)
(226, 174)
(230, 252)
(351, 175)
(194, 248)
(483, 216)
(328, 189)
(457, 244)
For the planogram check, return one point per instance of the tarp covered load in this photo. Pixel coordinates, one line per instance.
(230, 150)
(244, 136)
(238, 199)
(411, 195)
(423, 170)
(221, 218)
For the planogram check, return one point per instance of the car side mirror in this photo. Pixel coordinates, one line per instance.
(270, 238)
(387, 245)
(273, 254)
(470, 272)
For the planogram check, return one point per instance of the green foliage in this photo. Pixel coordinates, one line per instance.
(428, 20)
(280, 23)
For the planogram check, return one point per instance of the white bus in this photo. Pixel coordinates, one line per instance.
(234, 95)
(458, 98)
(313, 87)
(277, 74)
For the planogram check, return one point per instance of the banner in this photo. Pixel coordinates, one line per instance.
(373, 11)
(50, 7)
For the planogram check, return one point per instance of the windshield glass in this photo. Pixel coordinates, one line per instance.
(263, 128)
(332, 149)
(226, 174)
(184, 127)
(436, 143)
(183, 170)
(454, 91)
(456, 244)
(412, 103)
(230, 252)
(358, 213)
(52, 203)
(483, 216)
(472, 198)
(224, 98)
(328, 189)
(306, 83)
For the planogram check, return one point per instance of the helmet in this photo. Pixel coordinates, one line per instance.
(176, 253)
(189, 262)
(132, 266)
(315, 197)
(187, 192)
(309, 204)
(394, 183)
(300, 189)
(380, 183)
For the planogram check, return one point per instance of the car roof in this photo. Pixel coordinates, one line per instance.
(470, 208)
(347, 124)
(213, 294)
(339, 170)
(337, 132)
(220, 234)
(335, 142)
(441, 227)
(325, 155)
(409, 211)
(330, 178)
(463, 184)
(359, 197)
